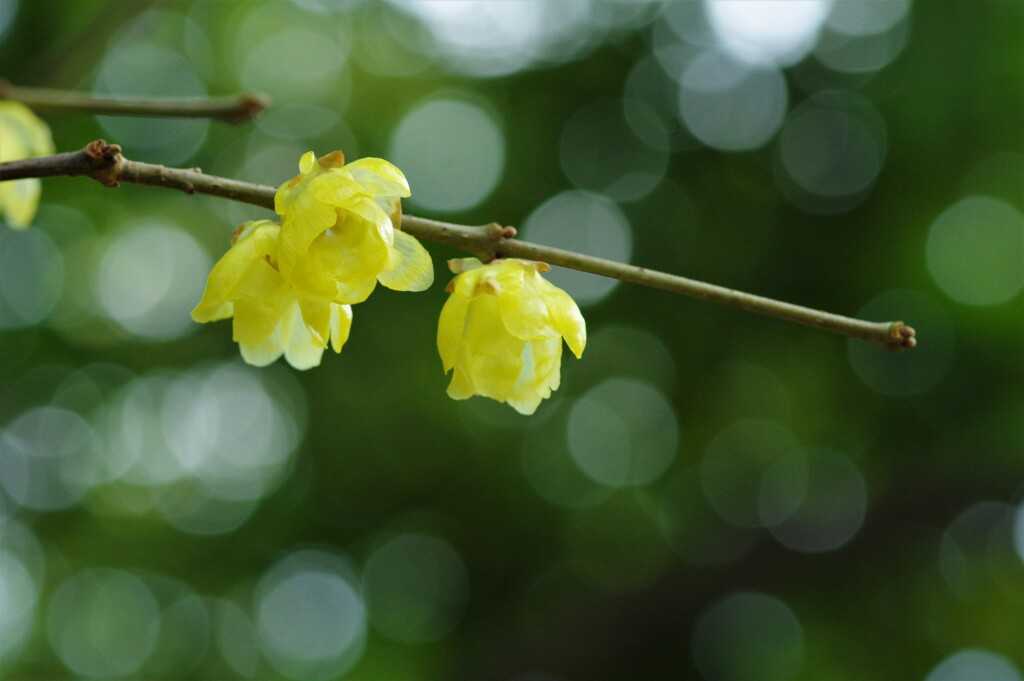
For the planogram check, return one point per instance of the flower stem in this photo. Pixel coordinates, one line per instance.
(233, 109)
(104, 163)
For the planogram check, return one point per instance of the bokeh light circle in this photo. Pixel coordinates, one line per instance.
(416, 588)
(730, 105)
(622, 433)
(451, 151)
(31, 277)
(748, 636)
(236, 638)
(975, 664)
(829, 511)
(974, 547)
(150, 278)
(207, 444)
(861, 54)
(311, 620)
(976, 251)
(292, 62)
(490, 39)
(774, 31)
(49, 458)
(586, 223)
(103, 622)
(225, 428)
(185, 630)
(19, 594)
(866, 17)
(8, 10)
(830, 152)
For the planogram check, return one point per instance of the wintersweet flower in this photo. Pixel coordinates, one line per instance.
(270, 316)
(501, 330)
(22, 135)
(340, 230)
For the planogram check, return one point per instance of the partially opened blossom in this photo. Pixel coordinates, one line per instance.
(340, 230)
(501, 331)
(22, 135)
(271, 317)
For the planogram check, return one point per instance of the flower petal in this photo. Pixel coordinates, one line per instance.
(378, 177)
(526, 316)
(317, 318)
(301, 350)
(255, 329)
(337, 189)
(301, 223)
(541, 375)
(492, 357)
(461, 386)
(341, 325)
(450, 327)
(371, 212)
(340, 267)
(410, 267)
(566, 316)
(241, 272)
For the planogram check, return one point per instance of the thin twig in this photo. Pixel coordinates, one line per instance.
(105, 163)
(233, 109)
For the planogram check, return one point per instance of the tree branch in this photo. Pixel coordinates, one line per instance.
(233, 109)
(104, 163)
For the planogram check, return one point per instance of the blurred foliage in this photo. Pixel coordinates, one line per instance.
(708, 492)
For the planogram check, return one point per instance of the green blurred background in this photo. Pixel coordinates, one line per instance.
(709, 495)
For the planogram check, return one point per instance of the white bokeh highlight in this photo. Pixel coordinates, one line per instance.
(623, 433)
(976, 251)
(150, 278)
(451, 151)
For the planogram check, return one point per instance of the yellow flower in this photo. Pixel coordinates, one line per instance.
(340, 230)
(502, 329)
(271, 317)
(22, 135)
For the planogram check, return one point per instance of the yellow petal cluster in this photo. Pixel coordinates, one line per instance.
(289, 287)
(340, 230)
(501, 330)
(22, 135)
(271, 318)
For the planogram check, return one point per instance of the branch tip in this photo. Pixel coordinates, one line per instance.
(250, 105)
(900, 337)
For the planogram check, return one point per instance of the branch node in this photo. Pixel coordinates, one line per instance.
(105, 160)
